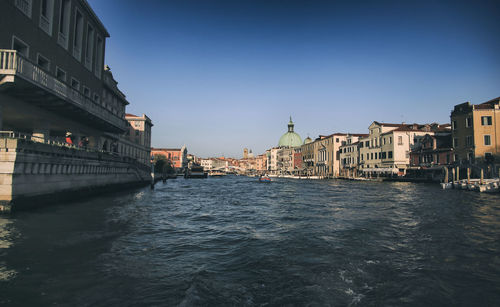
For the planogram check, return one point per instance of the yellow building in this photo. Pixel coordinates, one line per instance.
(476, 132)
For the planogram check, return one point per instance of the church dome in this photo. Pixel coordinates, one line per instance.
(290, 139)
(307, 140)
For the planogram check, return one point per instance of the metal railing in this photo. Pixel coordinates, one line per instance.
(13, 63)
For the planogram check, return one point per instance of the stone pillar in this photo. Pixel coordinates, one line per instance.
(1, 117)
(41, 135)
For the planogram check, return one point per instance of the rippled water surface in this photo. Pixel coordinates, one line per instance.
(234, 242)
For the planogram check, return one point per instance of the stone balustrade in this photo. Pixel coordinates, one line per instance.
(12, 63)
(31, 171)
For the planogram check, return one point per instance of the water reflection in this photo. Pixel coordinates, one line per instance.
(5, 242)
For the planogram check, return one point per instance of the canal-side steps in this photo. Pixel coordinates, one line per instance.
(478, 185)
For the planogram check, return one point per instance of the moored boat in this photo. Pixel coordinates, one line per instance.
(264, 179)
(195, 171)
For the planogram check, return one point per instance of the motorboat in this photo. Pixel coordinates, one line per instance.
(264, 179)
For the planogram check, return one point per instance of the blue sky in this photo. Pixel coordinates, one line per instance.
(219, 76)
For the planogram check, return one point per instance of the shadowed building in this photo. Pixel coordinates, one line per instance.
(61, 112)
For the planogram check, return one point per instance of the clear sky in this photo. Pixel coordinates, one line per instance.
(219, 76)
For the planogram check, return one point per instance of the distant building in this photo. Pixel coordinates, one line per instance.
(476, 133)
(177, 156)
(349, 154)
(261, 163)
(290, 138)
(387, 148)
(139, 133)
(432, 151)
(308, 158)
(245, 153)
(284, 163)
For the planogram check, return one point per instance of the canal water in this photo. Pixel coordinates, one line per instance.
(235, 242)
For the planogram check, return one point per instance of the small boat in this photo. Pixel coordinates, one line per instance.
(264, 179)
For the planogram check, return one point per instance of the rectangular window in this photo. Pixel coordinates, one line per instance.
(75, 84)
(46, 15)
(367, 143)
(469, 141)
(389, 154)
(390, 140)
(89, 47)
(86, 92)
(60, 74)
(375, 156)
(487, 140)
(362, 157)
(486, 120)
(96, 98)
(20, 46)
(43, 62)
(99, 64)
(371, 156)
(336, 140)
(400, 140)
(454, 125)
(455, 142)
(78, 35)
(24, 6)
(468, 122)
(64, 16)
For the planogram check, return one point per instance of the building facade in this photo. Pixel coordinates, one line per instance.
(432, 151)
(139, 134)
(349, 154)
(476, 133)
(57, 97)
(386, 150)
(177, 156)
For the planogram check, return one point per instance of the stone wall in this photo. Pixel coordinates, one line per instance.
(31, 171)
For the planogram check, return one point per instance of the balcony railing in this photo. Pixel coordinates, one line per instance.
(13, 63)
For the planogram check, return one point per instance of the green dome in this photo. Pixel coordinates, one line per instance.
(290, 139)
